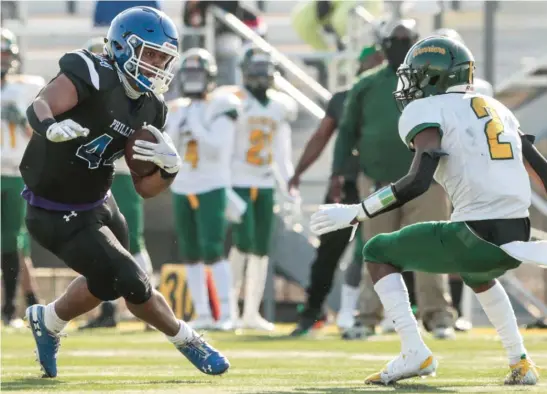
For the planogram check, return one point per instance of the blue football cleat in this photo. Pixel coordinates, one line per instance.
(204, 357)
(47, 343)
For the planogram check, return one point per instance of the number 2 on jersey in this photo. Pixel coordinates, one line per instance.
(493, 129)
(259, 140)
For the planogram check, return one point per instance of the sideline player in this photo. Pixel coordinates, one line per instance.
(18, 91)
(473, 146)
(262, 153)
(202, 125)
(81, 122)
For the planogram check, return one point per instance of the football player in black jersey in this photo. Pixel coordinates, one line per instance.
(81, 122)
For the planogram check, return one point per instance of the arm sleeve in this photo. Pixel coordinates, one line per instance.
(418, 116)
(282, 151)
(535, 158)
(348, 131)
(79, 66)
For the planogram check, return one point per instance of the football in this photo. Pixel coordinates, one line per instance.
(139, 167)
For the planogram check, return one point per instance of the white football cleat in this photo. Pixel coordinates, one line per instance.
(444, 333)
(345, 320)
(224, 325)
(257, 322)
(407, 365)
(522, 373)
(202, 323)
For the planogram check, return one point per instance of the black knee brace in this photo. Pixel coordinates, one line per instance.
(134, 285)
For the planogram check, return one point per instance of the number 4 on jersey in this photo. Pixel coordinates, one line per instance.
(493, 129)
(93, 151)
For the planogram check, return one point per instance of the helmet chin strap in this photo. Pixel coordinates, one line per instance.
(131, 92)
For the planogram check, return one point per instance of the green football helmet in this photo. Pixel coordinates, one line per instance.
(257, 68)
(197, 73)
(11, 60)
(435, 65)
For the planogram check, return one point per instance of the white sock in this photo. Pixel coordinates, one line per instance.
(499, 310)
(181, 337)
(53, 322)
(237, 261)
(196, 280)
(349, 298)
(394, 296)
(222, 274)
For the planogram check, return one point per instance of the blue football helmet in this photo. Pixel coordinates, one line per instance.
(130, 34)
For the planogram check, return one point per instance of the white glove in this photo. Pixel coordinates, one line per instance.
(65, 130)
(332, 217)
(163, 153)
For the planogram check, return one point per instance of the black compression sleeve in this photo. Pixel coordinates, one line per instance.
(413, 184)
(536, 159)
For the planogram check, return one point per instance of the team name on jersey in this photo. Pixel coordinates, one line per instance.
(121, 128)
(264, 123)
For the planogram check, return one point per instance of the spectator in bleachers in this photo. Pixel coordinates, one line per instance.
(228, 45)
(312, 19)
(106, 10)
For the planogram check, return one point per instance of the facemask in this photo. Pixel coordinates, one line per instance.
(395, 50)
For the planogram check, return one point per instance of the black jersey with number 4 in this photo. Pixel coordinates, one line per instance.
(77, 174)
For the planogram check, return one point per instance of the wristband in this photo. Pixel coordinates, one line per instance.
(39, 126)
(379, 201)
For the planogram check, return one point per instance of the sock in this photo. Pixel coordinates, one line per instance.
(237, 261)
(195, 278)
(222, 274)
(456, 291)
(499, 310)
(10, 272)
(31, 299)
(394, 296)
(181, 337)
(53, 323)
(108, 309)
(348, 301)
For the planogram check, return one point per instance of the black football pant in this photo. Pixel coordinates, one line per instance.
(329, 252)
(93, 243)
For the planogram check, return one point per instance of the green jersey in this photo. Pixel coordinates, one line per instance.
(370, 122)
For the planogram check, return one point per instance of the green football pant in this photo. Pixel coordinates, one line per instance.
(200, 225)
(253, 234)
(131, 206)
(13, 213)
(441, 247)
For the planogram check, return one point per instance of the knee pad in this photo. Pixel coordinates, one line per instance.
(133, 283)
(103, 288)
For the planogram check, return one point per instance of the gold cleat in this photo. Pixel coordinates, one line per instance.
(524, 373)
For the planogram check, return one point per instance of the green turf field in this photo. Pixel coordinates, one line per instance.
(129, 360)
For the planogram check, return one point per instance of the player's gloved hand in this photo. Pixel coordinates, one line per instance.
(65, 130)
(162, 153)
(332, 217)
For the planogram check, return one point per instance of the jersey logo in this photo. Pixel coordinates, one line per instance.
(67, 218)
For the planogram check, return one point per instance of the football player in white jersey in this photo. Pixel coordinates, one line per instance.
(472, 145)
(202, 125)
(17, 92)
(132, 207)
(262, 153)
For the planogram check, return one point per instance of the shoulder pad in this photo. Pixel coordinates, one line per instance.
(288, 105)
(178, 103)
(95, 70)
(221, 104)
(231, 89)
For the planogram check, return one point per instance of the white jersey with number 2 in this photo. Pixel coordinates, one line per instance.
(483, 174)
